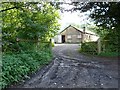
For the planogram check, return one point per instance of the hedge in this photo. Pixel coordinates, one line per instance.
(89, 47)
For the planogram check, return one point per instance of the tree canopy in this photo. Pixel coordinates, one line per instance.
(105, 16)
(28, 20)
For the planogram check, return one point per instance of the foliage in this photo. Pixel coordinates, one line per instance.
(109, 54)
(89, 47)
(110, 43)
(31, 23)
(105, 14)
(17, 66)
(28, 20)
(106, 17)
(107, 48)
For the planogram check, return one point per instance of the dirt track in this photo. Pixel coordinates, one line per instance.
(70, 69)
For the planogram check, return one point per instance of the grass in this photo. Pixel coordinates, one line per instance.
(103, 54)
(109, 54)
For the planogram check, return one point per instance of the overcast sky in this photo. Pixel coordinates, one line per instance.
(75, 17)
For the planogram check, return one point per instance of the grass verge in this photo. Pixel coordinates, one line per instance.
(109, 54)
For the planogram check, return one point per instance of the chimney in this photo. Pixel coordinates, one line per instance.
(84, 30)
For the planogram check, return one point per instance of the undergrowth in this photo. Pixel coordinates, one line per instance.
(16, 66)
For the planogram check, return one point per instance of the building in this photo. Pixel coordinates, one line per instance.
(72, 34)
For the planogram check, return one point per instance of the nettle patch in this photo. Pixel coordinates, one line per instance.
(16, 67)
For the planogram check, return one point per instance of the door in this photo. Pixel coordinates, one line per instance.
(63, 38)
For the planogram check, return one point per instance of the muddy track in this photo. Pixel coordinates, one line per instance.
(71, 69)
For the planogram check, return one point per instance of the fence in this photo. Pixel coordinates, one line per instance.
(23, 44)
(32, 44)
(103, 45)
(89, 47)
(94, 47)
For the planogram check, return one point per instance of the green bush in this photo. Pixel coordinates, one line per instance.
(110, 46)
(15, 67)
(89, 47)
(107, 49)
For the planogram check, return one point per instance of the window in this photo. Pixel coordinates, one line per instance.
(79, 36)
(89, 37)
(69, 36)
(69, 41)
(78, 40)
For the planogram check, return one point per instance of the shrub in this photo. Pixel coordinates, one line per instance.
(107, 49)
(15, 67)
(89, 47)
(110, 46)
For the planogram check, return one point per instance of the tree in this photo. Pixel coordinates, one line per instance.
(106, 17)
(105, 14)
(28, 20)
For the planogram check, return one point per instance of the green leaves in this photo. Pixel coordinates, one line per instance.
(28, 21)
(89, 47)
(16, 66)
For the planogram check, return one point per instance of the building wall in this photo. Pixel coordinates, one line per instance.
(89, 37)
(72, 35)
(57, 39)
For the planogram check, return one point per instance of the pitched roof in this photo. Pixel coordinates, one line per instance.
(80, 30)
(70, 26)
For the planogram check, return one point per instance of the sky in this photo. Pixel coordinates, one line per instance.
(68, 18)
(75, 17)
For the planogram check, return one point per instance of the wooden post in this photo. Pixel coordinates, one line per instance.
(50, 43)
(99, 46)
(83, 35)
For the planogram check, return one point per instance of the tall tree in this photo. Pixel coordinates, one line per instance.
(106, 17)
(28, 20)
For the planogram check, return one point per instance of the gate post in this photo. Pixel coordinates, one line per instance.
(99, 46)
